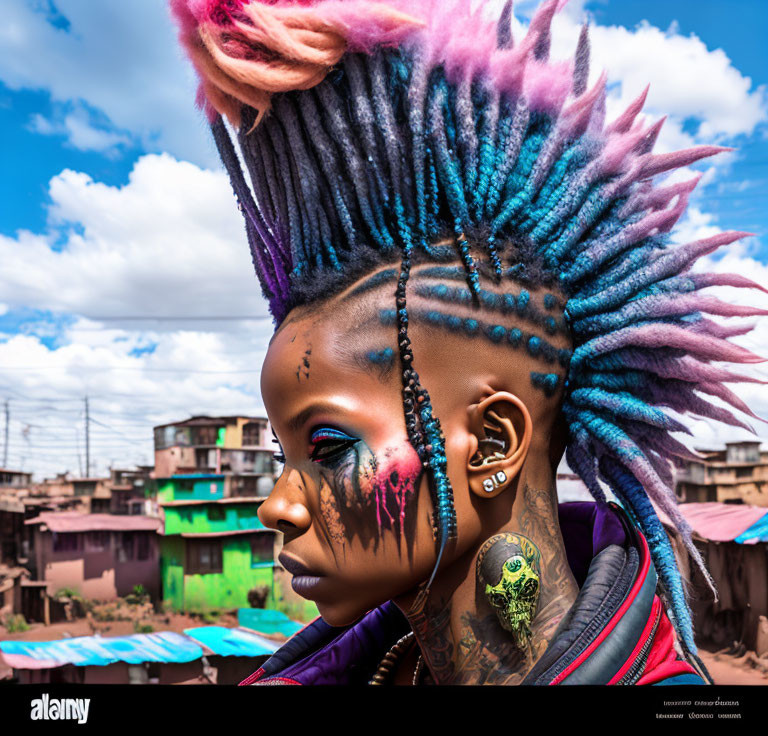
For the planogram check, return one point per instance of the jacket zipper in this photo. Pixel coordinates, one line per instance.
(636, 670)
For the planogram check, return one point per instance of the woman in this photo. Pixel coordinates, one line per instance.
(470, 275)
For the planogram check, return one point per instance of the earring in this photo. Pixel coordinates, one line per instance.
(492, 483)
(492, 458)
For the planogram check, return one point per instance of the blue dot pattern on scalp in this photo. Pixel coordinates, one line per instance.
(536, 346)
(490, 301)
(383, 357)
(548, 382)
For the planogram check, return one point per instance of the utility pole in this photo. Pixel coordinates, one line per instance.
(87, 441)
(5, 443)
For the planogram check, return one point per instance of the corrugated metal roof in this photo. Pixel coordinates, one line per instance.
(719, 522)
(232, 642)
(201, 420)
(165, 646)
(13, 571)
(227, 533)
(196, 476)
(75, 521)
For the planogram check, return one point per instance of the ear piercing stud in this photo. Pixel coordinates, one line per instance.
(492, 483)
(492, 458)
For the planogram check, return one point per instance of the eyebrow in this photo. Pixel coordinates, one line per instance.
(367, 343)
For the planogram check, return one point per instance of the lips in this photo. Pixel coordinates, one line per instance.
(295, 567)
(304, 580)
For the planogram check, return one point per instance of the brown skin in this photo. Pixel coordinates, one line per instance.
(359, 519)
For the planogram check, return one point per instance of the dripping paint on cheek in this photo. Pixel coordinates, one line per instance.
(390, 484)
(363, 486)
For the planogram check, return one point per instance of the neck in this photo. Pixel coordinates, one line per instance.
(461, 637)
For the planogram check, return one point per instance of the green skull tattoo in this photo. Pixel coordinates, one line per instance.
(508, 566)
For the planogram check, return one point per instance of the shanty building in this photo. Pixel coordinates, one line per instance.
(214, 552)
(238, 448)
(12, 479)
(733, 541)
(737, 474)
(129, 491)
(100, 556)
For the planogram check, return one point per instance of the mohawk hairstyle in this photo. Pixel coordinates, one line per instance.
(373, 130)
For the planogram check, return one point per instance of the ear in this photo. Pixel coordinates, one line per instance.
(501, 435)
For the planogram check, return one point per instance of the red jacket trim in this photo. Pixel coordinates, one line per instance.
(628, 601)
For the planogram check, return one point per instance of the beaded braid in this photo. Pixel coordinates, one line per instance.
(424, 431)
(372, 131)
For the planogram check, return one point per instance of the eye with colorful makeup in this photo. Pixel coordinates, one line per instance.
(329, 444)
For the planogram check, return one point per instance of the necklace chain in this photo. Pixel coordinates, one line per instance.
(385, 670)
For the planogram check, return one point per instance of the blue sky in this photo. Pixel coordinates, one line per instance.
(118, 229)
(738, 28)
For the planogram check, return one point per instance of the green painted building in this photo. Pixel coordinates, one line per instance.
(213, 552)
(192, 487)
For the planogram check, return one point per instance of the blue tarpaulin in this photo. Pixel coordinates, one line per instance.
(758, 532)
(232, 642)
(267, 621)
(165, 646)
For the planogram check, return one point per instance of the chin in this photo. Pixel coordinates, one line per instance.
(341, 615)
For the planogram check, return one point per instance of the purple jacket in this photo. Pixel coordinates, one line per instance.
(616, 633)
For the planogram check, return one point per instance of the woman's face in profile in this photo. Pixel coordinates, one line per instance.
(356, 524)
(353, 499)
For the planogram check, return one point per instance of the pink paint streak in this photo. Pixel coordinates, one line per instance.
(406, 468)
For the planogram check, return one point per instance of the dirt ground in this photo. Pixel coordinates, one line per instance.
(729, 670)
(90, 625)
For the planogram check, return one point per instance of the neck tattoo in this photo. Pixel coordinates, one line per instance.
(493, 627)
(509, 574)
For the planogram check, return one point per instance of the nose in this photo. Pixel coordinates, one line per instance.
(285, 508)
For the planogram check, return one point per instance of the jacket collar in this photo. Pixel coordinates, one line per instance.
(596, 643)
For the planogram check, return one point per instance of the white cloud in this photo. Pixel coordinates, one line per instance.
(687, 80)
(696, 225)
(169, 242)
(120, 58)
(80, 131)
(736, 258)
(189, 372)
